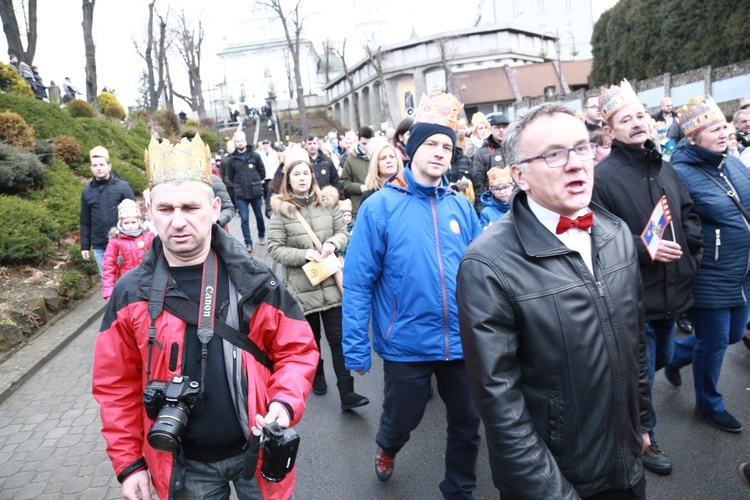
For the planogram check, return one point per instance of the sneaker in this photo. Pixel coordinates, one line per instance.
(384, 465)
(262, 240)
(684, 324)
(672, 375)
(744, 470)
(722, 420)
(656, 460)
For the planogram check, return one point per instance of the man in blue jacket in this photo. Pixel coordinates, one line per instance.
(401, 268)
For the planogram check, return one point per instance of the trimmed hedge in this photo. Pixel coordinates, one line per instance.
(61, 195)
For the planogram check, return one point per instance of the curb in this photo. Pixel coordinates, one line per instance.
(49, 341)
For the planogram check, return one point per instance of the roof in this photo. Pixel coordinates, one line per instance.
(493, 84)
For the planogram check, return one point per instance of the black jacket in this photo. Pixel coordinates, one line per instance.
(460, 166)
(488, 156)
(556, 356)
(246, 174)
(325, 172)
(628, 183)
(99, 200)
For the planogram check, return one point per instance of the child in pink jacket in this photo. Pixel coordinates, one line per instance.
(128, 243)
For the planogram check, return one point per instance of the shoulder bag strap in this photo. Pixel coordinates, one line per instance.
(310, 232)
(730, 192)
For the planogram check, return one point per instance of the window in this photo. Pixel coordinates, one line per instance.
(568, 4)
(540, 5)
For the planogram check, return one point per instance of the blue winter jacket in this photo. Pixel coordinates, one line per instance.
(401, 267)
(493, 209)
(722, 279)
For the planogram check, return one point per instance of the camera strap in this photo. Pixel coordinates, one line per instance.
(206, 318)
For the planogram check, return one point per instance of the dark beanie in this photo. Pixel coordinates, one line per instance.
(419, 132)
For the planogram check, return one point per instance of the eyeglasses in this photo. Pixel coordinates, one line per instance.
(592, 106)
(499, 189)
(557, 158)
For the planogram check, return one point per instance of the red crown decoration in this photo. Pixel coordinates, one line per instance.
(183, 162)
(615, 98)
(698, 115)
(442, 109)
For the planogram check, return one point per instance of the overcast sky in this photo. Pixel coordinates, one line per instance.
(60, 50)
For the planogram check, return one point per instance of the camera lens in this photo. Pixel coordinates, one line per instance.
(168, 428)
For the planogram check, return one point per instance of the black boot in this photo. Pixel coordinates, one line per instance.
(349, 398)
(319, 382)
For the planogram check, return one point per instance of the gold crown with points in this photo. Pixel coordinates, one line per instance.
(615, 98)
(698, 115)
(182, 162)
(128, 208)
(497, 176)
(442, 109)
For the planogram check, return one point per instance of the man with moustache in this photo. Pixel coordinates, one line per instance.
(629, 183)
(550, 310)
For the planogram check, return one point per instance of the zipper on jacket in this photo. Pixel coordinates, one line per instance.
(446, 336)
(601, 288)
(718, 244)
(393, 318)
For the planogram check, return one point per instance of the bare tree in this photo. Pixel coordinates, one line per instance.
(13, 32)
(292, 23)
(350, 80)
(155, 55)
(189, 42)
(327, 49)
(289, 74)
(447, 53)
(376, 60)
(88, 42)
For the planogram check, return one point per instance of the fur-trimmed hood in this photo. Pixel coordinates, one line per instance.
(330, 199)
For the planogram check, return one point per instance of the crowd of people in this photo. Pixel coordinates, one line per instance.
(524, 264)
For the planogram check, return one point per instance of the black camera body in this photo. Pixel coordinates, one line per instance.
(279, 452)
(170, 404)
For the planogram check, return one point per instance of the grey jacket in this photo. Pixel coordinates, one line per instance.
(227, 207)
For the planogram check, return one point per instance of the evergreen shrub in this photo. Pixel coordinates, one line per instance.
(28, 233)
(45, 151)
(15, 131)
(61, 194)
(19, 169)
(110, 106)
(68, 150)
(167, 124)
(11, 81)
(78, 108)
(130, 173)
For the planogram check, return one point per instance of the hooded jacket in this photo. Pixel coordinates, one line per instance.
(628, 183)
(266, 312)
(493, 209)
(401, 270)
(353, 177)
(556, 356)
(123, 254)
(722, 279)
(288, 241)
(99, 200)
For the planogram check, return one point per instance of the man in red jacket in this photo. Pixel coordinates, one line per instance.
(144, 340)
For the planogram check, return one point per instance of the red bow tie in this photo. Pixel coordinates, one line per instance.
(583, 223)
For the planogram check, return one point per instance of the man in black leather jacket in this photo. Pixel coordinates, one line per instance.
(552, 326)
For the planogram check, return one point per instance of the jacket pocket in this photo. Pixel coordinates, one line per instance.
(556, 424)
(393, 318)
(256, 189)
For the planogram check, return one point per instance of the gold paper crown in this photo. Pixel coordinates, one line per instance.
(185, 161)
(442, 109)
(128, 208)
(99, 151)
(499, 176)
(478, 118)
(698, 115)
(615, 98)
(345, 205)
(294, 155)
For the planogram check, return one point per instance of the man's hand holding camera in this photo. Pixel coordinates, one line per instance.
(276, 413)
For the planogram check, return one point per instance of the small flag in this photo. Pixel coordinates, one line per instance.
(657, 224)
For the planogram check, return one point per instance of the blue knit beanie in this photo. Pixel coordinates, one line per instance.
(419, 132)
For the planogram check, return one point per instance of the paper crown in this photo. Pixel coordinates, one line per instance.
(345, 205)
(478, 118)
(128, 208)
(294, 155)
(615, 98)
(183, 162)
(499, 176)
(99, 152)
(698, 115)
(442, 109)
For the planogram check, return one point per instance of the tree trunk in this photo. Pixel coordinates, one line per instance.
(88, 40)
(13, 32)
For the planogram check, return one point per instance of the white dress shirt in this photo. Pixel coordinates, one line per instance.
(574, 238)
